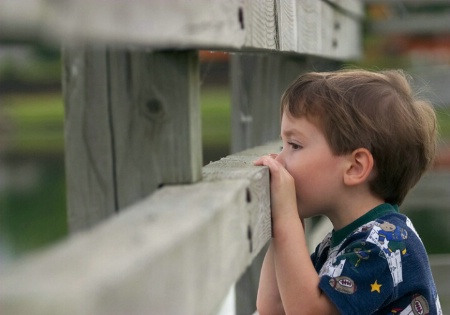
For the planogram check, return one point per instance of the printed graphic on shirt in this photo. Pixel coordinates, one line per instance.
(357, 254)
(375, 287)
(394, 236)
(331, 268)
(390, 239)
(343, 284)
(324, 244)
(418, 306)
(438, 305)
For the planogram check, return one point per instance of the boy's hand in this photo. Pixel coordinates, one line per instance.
(282, 187)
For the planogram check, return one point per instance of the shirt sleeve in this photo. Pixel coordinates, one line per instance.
(359, 280)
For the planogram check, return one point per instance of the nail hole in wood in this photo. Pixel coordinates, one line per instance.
(335, 43)
(337, 26)
(248, 195)
(241, 17)
(249, 236)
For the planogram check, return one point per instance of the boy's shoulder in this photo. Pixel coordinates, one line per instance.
(380, 260)
(390, 233)
(392, 226)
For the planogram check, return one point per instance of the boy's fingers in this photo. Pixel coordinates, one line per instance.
(263, 161)
(268, 161)
(260, 161)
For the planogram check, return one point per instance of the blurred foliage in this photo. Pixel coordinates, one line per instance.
(40, 65)
(431, 226)
(33, 126)
(216, 122)
(33, 216)
(376, 56)
(34, 123)
(443, 117)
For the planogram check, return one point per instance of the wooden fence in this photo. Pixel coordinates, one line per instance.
(154, 232)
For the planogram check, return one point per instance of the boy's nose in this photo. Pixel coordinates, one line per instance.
(279, 158)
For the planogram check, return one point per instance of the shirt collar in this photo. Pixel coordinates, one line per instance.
(338, 236)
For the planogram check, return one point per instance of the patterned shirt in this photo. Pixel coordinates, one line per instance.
(377, 265)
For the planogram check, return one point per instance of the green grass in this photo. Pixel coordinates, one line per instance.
(443, 116)
(37, 70)
(35, 123)
(216, 115)
(216, 123)
(34, 217)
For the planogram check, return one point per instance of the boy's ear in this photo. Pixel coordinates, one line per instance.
(359, 168)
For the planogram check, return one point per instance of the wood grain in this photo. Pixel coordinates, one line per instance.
(175, 252)
(302, 27)
(88, 139)
(132, 126)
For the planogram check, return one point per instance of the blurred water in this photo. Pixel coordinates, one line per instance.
(32, 204)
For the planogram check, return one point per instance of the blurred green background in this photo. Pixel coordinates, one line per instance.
(32, 180)
(32, 175)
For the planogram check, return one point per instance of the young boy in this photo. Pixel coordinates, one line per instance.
(354, 143)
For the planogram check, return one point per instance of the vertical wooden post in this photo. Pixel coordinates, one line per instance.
(89, 163)
(155, 107)
(258, 81)
(132, 125)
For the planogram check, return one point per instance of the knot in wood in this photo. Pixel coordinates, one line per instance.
(154, 109)
(154, 106)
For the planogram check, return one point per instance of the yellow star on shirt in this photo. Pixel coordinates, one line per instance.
(376, 287)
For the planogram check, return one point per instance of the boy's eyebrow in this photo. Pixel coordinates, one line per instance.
(290, 132)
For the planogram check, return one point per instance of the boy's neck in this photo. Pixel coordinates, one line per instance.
(353, 209)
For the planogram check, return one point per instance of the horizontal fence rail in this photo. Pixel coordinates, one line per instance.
(323, 28)
(176, 252)
(153, 231)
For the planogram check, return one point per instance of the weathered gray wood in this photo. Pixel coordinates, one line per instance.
(155, 108)
(260, 22)
(88, 139)
(256, 87)
(234, 167)
(341, 29)
(247, 286)
(132, 125)
(176, 252)
(323, 28)
(257, 83)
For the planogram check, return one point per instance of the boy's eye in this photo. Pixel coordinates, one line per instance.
(295, 146)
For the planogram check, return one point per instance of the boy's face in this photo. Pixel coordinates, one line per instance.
(317, 172)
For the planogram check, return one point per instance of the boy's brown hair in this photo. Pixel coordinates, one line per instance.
(373, 110)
